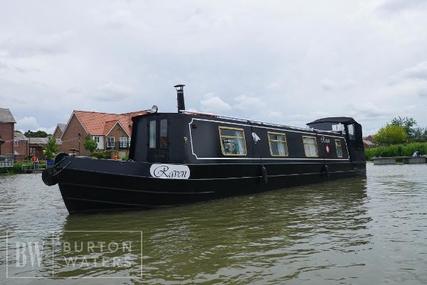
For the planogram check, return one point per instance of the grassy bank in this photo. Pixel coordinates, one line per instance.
(21, 167)
(396, 150)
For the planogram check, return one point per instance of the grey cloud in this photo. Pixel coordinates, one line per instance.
(295, 62)
(111, 92)
(393, 6)
(34, 45)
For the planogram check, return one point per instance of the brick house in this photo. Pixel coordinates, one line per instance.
(25, 147)
(59, 131)
(37, 147)
(110, 131)
(7, 130)
(22, 150)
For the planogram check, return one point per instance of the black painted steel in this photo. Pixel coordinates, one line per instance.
(192, 142)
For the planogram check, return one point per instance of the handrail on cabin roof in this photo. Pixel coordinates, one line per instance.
(257, 122)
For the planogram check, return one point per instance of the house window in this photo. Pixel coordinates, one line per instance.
(338, 146)
(232, 141)
(152, 134)
(163, 133)
(278, 144)
(111, 141)
(96, 139)
(310, 146)
(123, 142)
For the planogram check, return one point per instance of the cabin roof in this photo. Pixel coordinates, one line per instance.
(337, 120)
(259, 123)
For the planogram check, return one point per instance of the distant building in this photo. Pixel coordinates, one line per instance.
(22, 149)
(368, 142)
(59, 131)
(110, 131)
(7, 129)
(37, 146)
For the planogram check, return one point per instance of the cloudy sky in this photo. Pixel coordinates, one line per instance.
(278, 61)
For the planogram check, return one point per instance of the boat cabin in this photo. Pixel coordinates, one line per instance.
(190, 137)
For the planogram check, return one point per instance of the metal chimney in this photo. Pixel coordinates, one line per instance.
(180, 97)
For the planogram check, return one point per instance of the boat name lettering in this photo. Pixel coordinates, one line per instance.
(325, 140)
(170, 171)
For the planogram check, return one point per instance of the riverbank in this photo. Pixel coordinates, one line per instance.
(396, 150)
(23, 167)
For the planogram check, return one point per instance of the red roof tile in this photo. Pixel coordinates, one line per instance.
(99, 124)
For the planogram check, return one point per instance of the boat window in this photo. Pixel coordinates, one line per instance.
(338, 128)
(310, 146)
(232, 141)
(278, 144)
(163, 133)
(339, 148)
(152, 134)
(350, 129)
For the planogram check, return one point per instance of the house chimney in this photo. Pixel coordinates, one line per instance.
(180, 97)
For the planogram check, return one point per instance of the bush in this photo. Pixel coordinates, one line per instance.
(391, 134)
(396, 150)
(51, 148)
(102, 154)
(90, 144)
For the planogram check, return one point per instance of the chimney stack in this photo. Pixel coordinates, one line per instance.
(180, 97)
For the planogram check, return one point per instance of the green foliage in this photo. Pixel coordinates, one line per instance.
(391, 134)
(36, 134)
(102, 154)
(396, 150)
(90, 144)
(410, 125)
(405, 122)
(51, 148)
(22, 167)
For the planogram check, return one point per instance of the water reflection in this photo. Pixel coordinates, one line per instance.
(273, 236)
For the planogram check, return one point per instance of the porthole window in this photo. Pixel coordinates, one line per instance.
(233, 141)
(310, 146)
(278, 144)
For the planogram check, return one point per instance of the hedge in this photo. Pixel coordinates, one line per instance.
(396, 150)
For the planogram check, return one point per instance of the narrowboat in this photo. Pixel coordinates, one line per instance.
(185, 157)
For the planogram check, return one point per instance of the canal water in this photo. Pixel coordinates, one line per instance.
(355, 231)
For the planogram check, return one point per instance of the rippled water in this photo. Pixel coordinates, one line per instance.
(352, 231)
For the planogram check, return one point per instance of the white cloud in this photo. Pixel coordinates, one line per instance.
(295, 62)
(215, 105)
(112, 92)
(27, 123)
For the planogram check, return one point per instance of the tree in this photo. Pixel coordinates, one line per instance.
(90, 144)
(51, 148)
(391, 134)
(36, 134)
(407, 123)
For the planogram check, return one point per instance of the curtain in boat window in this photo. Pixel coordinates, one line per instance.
(232, 141)
(310, 146)
(278, 144)
(338, 146)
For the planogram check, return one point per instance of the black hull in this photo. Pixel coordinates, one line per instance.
(94, 185)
